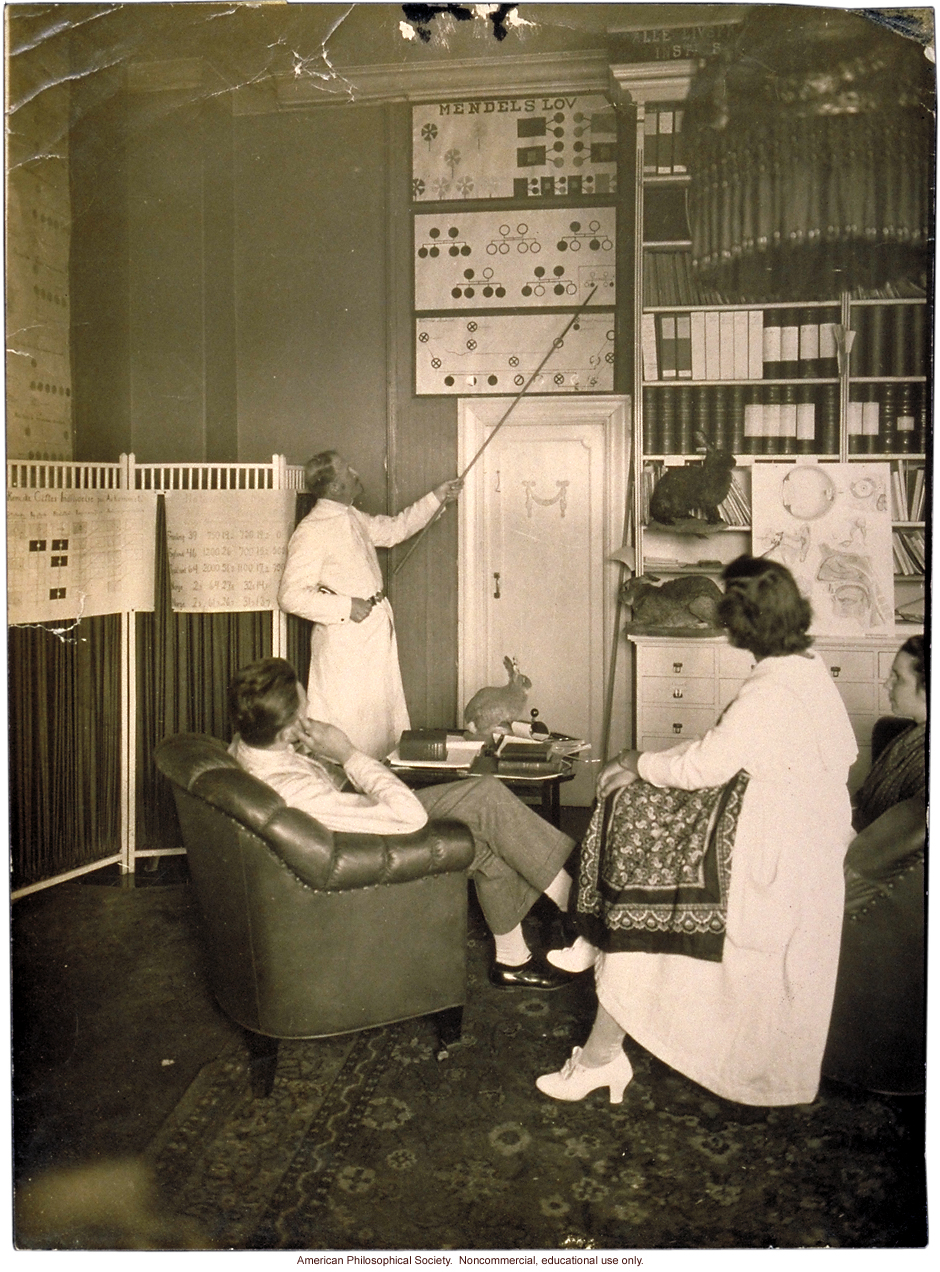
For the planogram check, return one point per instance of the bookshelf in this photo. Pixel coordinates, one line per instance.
(836, 380)
(832, 380)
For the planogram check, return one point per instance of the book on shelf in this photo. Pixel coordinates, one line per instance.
(828, 351)
(665, 151)
(828, 419)
(668, 352)
(735, 509)
(697, 331)
(650, 152)
(648, 345)
(685, 420)
(678, 142)
(789, 343)
(755, 344)
(805, 420)
(740, 346)
(684, 346)
(909, 550)
(712, 345)
(809, 346)
(772, 356)
(905, 424)
(726, 345)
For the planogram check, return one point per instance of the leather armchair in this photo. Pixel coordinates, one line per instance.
(311, 933)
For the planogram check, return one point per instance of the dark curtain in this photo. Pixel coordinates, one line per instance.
(811, 158)
(184, 665)
(64, 735)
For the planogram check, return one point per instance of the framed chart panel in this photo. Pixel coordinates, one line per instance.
(497, 353)
(549, 145)
(537, 257)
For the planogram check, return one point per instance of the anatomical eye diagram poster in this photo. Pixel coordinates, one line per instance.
(830, 525)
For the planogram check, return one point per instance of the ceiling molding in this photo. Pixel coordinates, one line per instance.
(499, 77)
(642, 82)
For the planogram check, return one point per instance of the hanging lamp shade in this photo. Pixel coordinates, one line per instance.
(811, 154)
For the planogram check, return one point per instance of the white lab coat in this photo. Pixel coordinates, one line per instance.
(753, 1027)
(354, 680)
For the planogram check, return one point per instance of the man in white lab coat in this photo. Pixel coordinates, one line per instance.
(332, 577)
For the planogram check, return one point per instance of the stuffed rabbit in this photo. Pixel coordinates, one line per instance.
(687, 602)
(680, 491)
(492, 706)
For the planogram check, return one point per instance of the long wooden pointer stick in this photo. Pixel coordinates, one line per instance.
(556, 344)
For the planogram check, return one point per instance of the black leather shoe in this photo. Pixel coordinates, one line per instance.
(535, 973)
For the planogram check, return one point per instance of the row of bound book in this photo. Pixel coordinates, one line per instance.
(888, 418)
(785, 418)
(748, 419)
(890, 340)
(741, 344)
(664, 140)
(908, 494)
(909, 547)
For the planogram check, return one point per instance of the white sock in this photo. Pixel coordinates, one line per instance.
(511, 948)
(560, 889)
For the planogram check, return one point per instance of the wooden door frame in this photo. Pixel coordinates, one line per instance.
(476, 416)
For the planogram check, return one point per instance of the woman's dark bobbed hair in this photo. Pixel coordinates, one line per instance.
(763, 609)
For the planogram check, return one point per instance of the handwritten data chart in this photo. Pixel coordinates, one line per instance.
(227, 548)
(77, 553)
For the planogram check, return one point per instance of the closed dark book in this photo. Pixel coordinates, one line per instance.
(905, 423)
(531, 752)
(901, 339)
(753, 398)
(805, 419)
(652, 434)
(684, 421)
(876, 359)
(772, 337)
(856, 427)
(789, 343)
(922, 418)
(423, 744)
(917, 349)
(788, 401)
(719, 434)
(771, 440)
(736, 411)
(827, 429)
(668, 438)
(701, 410)
(809, 344)
(889, 417)
(529, 768)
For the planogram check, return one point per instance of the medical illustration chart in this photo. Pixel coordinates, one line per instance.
(830, 525)
(547, 145)
(227, 548)
(501, 260)
(72, 554)
(497, 353)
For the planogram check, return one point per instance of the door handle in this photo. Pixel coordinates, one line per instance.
(677, 693)
(496, 579)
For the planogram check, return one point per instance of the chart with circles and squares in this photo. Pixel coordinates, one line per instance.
(546, 145)
(496, 260)
(498, 353)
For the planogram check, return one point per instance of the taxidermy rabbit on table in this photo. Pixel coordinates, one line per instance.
(498, 705)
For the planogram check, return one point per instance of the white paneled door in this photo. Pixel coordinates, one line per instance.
(542, 511)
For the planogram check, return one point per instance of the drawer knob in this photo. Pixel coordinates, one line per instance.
(677, 693)
(677, 668)
(677, 728)
(835, 672)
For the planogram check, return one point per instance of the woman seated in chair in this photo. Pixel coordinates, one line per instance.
(722, 963)
(877, 1034)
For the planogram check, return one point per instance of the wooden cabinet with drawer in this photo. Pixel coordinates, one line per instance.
(683, 685)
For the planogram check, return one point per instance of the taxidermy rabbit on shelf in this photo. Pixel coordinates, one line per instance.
(680, 492)
(496, 705)
(685, 603)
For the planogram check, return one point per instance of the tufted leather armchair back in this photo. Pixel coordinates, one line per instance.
(311, 933)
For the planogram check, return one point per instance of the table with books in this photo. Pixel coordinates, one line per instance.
(533, 768)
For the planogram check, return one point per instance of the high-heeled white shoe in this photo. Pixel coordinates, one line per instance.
(574, 958)
(574, 1081)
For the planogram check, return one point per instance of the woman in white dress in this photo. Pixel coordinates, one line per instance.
(752, 1026)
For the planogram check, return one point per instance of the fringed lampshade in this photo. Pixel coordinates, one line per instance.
(812, 159)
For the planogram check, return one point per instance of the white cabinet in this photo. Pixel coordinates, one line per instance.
(682, 686)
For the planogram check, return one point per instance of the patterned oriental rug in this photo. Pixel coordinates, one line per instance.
(368, 1142)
